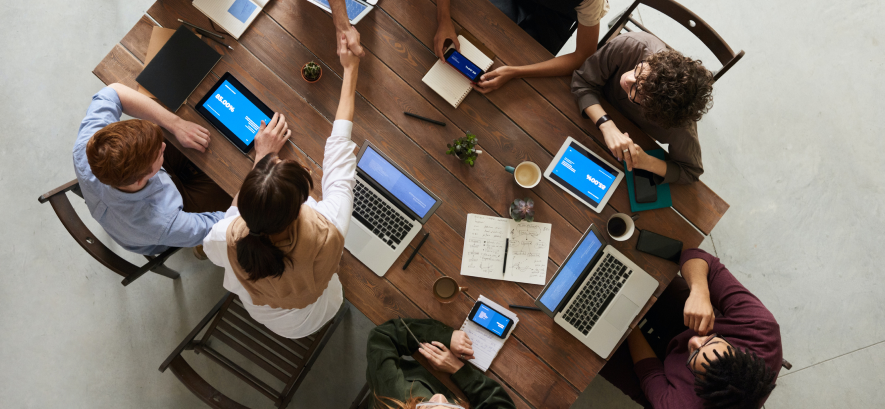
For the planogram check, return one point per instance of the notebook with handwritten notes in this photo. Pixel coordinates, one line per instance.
(447, 81)
(503, 249)
(485, 345)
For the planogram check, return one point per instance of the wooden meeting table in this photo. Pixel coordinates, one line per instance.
(542, 365)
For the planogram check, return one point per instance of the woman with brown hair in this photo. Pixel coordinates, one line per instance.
(279, 247)
(396, 383)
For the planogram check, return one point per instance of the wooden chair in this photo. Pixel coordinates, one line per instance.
(288, 360)
(689, 20)
(68, 216)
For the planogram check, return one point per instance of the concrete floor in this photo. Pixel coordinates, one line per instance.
(793, 144)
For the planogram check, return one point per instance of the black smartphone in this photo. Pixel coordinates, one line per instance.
(644, 186)
(463, 65)
(492, 320)
(657, 245)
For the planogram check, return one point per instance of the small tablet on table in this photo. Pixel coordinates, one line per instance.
(583, 174)
(234, 111)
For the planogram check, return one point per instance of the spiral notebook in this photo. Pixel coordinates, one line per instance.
(447, 81)
(234, 16)
(486, 345)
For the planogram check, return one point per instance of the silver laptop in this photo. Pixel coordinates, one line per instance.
(596, 293)
(389, 208)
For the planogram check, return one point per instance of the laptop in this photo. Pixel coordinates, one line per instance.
(389, 208)
(596, 293)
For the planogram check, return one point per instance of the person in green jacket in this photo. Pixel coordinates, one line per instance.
(403, 384)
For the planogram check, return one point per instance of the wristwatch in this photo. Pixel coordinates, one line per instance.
(603, 119)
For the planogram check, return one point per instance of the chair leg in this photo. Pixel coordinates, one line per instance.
(154, 265)
(360, 397)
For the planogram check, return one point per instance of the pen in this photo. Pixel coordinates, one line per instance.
(506, 245)
(203, 30)
(433, 121)
(220, 42)
(410, 331)
(421, 243)
(523, 307)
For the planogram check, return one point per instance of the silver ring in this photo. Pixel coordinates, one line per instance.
(462, 356)
(625, 150)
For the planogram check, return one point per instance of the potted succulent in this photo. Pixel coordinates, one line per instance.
(464, 148)
(523, 209)
(311, 72)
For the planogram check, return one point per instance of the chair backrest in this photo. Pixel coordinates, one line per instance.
(68, 216)
(688, 19)
(287, 360)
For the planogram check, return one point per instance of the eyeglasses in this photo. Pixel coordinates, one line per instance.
(433, 405)
(633, 88)
(697, 351)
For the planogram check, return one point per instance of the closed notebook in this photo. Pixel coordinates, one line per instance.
(234, 16)
(447, 81)
(178, 68)
(664, 197)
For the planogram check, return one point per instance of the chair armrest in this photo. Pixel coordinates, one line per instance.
(61, 189)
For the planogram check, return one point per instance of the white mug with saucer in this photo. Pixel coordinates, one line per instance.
(628, 226)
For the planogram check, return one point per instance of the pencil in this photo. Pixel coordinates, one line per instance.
(201, 29)
(523, 307)
(220, 42)
(433, 121)
(416, 250)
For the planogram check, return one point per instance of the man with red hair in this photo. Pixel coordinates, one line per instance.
(144, 206)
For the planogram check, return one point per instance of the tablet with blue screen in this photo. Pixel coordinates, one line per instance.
(234, 111)
(583, 174)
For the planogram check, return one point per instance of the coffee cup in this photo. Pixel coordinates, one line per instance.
(445, 289)
(620, 226)
(527, 174)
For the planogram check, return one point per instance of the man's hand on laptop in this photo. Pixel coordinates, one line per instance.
(271, 137)
(191, 135)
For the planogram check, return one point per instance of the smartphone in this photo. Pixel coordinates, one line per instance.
(644, 186)
(660, 246)
(493, 321)
(463, 65)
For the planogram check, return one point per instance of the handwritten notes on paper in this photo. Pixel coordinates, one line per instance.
(490, 241)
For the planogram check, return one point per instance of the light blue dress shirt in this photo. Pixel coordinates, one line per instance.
(149, 221)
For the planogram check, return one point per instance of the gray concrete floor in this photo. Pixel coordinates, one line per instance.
(793, 144)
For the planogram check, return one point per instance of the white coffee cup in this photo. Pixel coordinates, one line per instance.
(527, 174)
(628, 221)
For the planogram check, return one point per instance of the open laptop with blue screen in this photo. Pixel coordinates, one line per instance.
(596, 293)
(389, 208)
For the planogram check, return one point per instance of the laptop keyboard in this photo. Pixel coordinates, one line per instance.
(379, 216)
(597, 294)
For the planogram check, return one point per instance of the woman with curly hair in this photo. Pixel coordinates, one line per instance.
(396, 383)
(662, 91)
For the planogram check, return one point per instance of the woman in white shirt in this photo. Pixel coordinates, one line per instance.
(279, 247)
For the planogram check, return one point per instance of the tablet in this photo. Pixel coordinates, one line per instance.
(356, 9)
(583, 174)
(234, 111)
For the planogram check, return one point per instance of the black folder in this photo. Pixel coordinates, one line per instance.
(178, 68)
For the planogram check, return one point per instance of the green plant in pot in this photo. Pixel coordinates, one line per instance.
(464, 148)
(523, 209)
(311, 72)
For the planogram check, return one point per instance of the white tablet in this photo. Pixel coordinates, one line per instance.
(583, 174)
(356, 9)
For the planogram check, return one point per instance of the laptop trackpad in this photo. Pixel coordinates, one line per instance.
(621, 312)
(357, 238)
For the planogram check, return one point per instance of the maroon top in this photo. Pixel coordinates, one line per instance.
(744, 322)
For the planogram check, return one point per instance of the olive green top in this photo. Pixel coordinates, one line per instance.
(390, 375)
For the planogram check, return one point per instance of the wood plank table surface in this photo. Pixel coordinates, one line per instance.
(541, 366)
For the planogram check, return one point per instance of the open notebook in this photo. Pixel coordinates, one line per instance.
(234, 16)
(447, 81)
(486, 345)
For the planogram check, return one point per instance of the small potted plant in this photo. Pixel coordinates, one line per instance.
(523, 209)
(311, 72)
(464, 148)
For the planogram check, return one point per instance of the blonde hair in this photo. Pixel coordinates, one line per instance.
(383, 402)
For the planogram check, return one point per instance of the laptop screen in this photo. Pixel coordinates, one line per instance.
(398, 184)
(571, 271)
